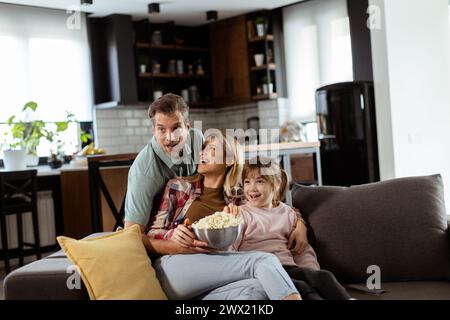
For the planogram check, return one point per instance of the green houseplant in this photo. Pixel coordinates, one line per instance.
(261, 23)
(25, 135)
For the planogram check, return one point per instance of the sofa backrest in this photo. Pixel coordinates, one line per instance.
(399, 225)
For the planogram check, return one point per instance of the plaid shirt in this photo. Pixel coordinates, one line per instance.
(179, 195)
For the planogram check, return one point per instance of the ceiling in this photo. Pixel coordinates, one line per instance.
(183, 12)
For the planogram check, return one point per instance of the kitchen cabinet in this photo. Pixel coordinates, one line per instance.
(76, 205)
(229, 52)
(172, 58)
(76, 200)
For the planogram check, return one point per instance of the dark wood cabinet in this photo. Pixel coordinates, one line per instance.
(76, 203)
(230, 74)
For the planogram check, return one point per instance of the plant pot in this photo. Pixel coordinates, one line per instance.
(54, 163)
(261, 30)
(15, 160)
(259, 59)
(268, 88)
(32, 160)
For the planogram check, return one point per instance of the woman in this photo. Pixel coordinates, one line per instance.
(191, 199)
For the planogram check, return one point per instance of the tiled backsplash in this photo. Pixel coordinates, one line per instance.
(129, 129)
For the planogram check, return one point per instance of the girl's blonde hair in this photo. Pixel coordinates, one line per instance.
(270, 171)
(233, 157)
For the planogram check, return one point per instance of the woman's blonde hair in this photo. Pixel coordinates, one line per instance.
(234, 159)
(270, 171)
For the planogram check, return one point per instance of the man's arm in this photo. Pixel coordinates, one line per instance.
(139, 200)
(131, 223)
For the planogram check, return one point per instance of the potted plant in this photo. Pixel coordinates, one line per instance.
(261, 23)
(267, 85)
(56, 158)
(25, 136)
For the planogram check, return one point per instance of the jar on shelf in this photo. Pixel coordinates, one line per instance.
(200, 71)
(180, 66)
(156, 68)
(190, 69)
(193, 93)
(172, 66)
(156, 38)
(185, 94)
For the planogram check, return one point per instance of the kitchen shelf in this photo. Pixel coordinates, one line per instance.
(199, 104)
(267, 37)
(265, 96)
(173, 75)
(145, 45)
(179, 44)
(264, 67)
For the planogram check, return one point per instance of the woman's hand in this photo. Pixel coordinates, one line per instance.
(184, 236)
(232, 208)
(298, 240)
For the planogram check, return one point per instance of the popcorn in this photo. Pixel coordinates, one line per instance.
(218, 220)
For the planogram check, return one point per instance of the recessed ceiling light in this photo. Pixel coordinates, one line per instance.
(211, 15)
(153, 7)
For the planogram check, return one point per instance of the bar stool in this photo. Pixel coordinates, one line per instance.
(18, 195)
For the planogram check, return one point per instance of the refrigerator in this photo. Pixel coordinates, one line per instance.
(347, 131)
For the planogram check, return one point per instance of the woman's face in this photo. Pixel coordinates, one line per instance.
(258, 191)
(212, 158)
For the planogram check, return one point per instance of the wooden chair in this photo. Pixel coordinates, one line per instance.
(98, 188)
(18, 195)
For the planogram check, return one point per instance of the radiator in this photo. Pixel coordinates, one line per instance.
(46, 217)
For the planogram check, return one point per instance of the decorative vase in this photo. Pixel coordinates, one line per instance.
(54, 162)
(259, 59)
(157, 94)
(261, 30)
(268, 88)
(15, 160)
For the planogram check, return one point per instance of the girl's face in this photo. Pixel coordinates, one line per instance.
(211, 158)
(258, 192)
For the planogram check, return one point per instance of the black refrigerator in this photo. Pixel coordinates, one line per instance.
(347, 133)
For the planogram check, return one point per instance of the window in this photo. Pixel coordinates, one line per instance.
(318, 51)
(43, 60)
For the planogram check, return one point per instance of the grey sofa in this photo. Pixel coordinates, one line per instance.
(397, 227)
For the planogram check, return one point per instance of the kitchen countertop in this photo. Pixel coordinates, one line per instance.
(45, 170)
(282, 146)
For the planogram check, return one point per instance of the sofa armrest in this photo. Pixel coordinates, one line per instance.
(44, 279)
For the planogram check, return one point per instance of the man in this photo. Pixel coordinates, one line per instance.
(172, 151)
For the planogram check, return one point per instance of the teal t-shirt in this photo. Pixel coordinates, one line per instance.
(150, 172)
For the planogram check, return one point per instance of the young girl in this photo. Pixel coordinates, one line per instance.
(267, 225)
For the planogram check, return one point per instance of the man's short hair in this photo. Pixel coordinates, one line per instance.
(168, 104)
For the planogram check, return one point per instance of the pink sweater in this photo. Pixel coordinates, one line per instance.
(268, 230)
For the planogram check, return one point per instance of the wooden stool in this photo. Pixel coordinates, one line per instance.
(18, 195)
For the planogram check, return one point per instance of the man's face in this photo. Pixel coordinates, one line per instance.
(170, 131)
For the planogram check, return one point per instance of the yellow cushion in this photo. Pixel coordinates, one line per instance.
(114, 266)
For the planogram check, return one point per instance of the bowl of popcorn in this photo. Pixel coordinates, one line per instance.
(219, 230)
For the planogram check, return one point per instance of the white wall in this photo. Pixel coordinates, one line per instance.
(411, 60)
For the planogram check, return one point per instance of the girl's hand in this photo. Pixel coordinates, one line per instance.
(184, 236)
(298, 240)
(232, 208)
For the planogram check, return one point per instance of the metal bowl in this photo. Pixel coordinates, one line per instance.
(218, 238)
